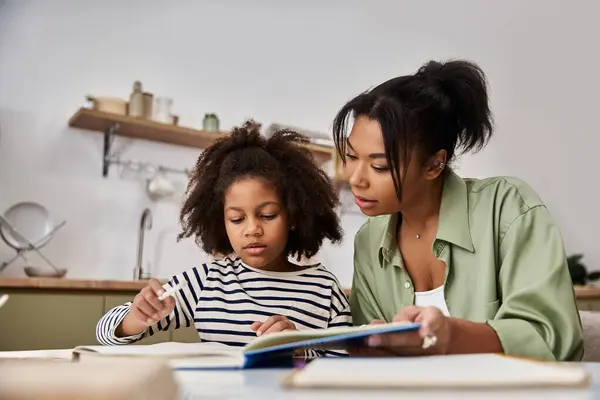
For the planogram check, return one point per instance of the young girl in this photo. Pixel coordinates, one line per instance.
(261, 200)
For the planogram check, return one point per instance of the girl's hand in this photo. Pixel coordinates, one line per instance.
(432, 338)
(146, 309)
(275, 323)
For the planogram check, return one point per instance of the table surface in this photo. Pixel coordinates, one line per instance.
(265, 384)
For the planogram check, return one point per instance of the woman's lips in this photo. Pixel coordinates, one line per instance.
(364, 203)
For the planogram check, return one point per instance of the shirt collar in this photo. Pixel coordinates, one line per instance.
(453, 225)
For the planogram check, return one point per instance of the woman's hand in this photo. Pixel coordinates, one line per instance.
(433, 337)
(146, 310)
(275, 323)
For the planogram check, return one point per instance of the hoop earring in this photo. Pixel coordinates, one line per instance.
(442, 165)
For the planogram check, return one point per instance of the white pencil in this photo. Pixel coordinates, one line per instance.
(172, 290)
(3, 299)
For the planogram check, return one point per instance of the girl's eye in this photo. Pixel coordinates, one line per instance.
(236, 220)
(380, 169)
(270, 217)
(351, 157)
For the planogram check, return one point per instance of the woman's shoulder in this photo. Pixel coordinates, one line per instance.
(373, 230)
(505, 186)
(508, 194)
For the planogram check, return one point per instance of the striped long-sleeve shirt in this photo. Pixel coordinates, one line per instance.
(222, 299)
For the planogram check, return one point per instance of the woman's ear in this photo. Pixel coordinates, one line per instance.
(436, 164)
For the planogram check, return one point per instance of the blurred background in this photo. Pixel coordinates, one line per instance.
(213, 64)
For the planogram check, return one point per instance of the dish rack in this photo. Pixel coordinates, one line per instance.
(26, 227)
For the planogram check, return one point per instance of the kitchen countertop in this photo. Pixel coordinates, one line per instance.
(71, 284)
(582, 292)
(587, 292)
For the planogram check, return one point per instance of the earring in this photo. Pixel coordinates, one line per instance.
(442, 165)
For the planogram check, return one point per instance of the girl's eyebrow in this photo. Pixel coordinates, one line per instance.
(261, 205)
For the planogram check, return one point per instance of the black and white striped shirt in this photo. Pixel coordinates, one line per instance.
(222, 299)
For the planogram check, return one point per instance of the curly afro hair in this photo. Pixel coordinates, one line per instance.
(282, 160)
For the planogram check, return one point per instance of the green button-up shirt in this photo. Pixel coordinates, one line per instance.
(505, 266)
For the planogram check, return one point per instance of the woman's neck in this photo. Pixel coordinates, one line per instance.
(423, 213)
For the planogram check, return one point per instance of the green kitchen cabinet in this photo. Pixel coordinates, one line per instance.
(33, 320)
(588, 304)
(185, 335)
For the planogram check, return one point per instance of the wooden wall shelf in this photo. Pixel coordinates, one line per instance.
(138, 128)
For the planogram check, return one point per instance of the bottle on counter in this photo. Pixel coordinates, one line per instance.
(136, 101)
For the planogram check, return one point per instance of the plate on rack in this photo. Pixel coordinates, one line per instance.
(31, 221)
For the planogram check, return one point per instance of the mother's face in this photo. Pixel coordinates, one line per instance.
(369, 174)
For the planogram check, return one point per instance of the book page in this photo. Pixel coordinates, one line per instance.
(473, 370)
(165, 350)
(59, 354)
(287, 337)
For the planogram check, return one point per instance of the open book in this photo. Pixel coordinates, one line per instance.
(481, 371)
(270, 350)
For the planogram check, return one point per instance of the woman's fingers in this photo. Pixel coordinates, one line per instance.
(402, 339)
(408, 314)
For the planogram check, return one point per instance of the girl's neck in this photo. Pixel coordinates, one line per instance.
(280, 264)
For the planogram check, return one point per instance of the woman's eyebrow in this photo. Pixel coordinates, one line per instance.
(372, 155)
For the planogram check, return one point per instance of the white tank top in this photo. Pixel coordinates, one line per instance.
(432, 298)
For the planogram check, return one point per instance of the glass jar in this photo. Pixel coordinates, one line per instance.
(162, 110)
(210, 123)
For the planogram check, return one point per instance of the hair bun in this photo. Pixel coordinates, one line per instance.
(433, 71)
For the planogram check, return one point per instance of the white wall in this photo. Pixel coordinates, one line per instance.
(292, 62)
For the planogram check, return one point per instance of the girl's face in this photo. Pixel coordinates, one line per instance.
(257, 224)
(370, 175)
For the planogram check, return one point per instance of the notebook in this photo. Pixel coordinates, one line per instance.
(435, 372)
(129, 380)
(275, 349)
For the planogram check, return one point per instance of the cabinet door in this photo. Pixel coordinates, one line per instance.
(113, 300)
(594, 304)
(186, 335)
(32, 321)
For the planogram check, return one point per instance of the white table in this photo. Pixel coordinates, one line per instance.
(264, 384)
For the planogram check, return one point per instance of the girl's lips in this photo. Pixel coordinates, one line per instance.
(255, 250)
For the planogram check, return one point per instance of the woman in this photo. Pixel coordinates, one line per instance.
(480, 263)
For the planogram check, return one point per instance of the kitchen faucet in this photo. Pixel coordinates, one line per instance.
(145, 224)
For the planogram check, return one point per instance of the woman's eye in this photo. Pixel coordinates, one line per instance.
(351, 157)
(236, 220)
(381, 169)
(270, 216)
